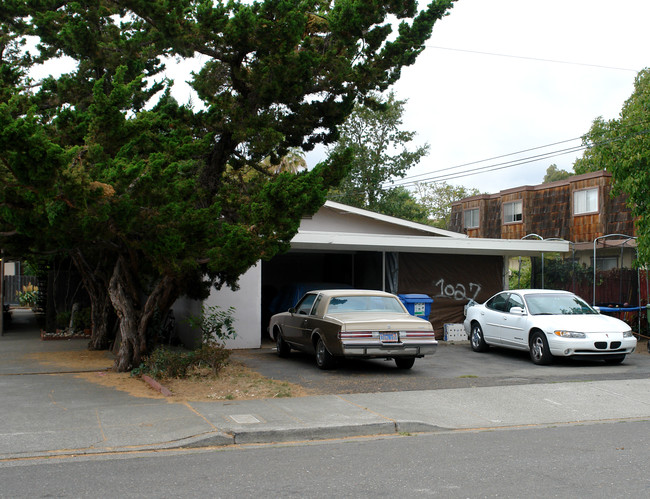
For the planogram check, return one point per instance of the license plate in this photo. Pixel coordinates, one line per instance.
(388, 337)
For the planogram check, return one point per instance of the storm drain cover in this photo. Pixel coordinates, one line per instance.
(244, 419)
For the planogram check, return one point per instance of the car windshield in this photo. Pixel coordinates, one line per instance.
(557, 304)
(343, 304)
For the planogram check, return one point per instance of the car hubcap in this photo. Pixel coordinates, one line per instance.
(320, 352)
(537, 348)
(476, 338)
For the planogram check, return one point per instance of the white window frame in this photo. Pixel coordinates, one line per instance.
(585, 201)
(516, 215)
(473, 222)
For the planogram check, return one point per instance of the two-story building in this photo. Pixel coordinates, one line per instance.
(580, 209)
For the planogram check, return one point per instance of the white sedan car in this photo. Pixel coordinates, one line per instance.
(547, 323)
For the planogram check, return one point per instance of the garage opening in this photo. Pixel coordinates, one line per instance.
(286, 277)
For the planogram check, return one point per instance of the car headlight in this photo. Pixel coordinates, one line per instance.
(569, 334)
(628, 334)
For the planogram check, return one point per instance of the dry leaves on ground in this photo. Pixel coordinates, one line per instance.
(234, 382)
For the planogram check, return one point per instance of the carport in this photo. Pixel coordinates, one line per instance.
(345, 246)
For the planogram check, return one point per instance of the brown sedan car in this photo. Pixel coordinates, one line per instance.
(340, 323)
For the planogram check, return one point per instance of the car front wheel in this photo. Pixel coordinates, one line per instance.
(476, 340)
(324, 359)
(539, 351)
(281, 346)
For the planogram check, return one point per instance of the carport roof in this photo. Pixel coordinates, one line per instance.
(345, 241)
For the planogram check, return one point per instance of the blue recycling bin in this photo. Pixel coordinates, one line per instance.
(417, 305)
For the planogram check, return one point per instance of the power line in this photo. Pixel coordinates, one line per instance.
(538, 59)
(494, 167)
(437, 177)
(496, 157)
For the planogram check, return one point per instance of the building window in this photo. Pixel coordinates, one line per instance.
(585, 201)
(471, 218)
(512, 212)
(605, 262)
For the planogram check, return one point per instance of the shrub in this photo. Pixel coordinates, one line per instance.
(28, 296)
(165, 362)
(216, 326)
(62, 320)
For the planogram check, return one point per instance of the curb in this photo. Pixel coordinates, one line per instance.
(156, 386)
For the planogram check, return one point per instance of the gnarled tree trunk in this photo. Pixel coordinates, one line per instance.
(125, 299)
(102, 315)
(134, 317)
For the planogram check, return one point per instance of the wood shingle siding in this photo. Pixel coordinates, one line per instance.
(548, 210)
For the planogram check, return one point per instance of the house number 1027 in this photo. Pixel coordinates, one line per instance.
(457, 292)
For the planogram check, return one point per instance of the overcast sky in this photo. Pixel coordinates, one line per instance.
(503, 76)
(472, 106)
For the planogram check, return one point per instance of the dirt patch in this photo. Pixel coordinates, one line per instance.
(234, 382)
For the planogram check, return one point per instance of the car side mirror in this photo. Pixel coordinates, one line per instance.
(292, 310)
(517, 311)
(597, 309)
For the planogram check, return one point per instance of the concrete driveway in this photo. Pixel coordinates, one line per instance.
(453, 366)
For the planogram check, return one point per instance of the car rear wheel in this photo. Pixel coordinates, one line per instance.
(476, 338)
(324, 359)
(539, 351)
(615, 359)
(281, 346)
(404, 362)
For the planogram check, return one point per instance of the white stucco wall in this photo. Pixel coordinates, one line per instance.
(248, 312)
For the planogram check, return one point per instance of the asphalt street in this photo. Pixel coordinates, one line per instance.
(48, 411)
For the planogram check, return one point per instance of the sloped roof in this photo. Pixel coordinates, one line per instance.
(336, 217)
(338, 227)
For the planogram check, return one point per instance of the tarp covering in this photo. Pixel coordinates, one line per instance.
(451, 280)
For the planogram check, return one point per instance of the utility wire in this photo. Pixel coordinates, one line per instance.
(495, 157)
(437, 177)
(538, 59)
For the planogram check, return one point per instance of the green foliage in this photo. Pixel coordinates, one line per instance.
(372, 132)
(520, 277)
(399, 202)
(216, 325)
(166, 363)
(167, 199)
(63, 319)
(83, 319)
(553, 173)
(437, 198)
(28, 296)
(622, 147)
(564, 273)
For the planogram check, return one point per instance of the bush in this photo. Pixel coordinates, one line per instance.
(62, 320)
(28, 296)
(216, 326)
(165, 362)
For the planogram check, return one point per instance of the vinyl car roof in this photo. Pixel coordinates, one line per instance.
(350, 292)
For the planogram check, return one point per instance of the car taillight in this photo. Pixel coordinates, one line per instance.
(417, 334)
(355, 335)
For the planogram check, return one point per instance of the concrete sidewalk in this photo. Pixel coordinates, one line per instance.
(42, 414)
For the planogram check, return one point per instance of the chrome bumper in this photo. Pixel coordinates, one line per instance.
(376, 349)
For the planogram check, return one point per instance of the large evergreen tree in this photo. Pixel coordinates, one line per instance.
(154, 199)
